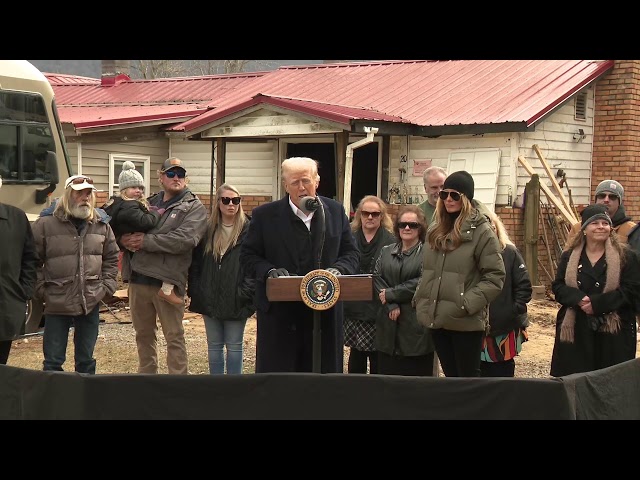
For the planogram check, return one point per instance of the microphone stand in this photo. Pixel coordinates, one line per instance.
(317, 330)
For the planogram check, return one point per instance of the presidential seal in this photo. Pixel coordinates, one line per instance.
(320, 289)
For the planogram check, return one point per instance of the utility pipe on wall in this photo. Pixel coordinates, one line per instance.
(348, 166)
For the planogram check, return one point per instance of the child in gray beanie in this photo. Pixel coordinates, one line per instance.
(130, 212)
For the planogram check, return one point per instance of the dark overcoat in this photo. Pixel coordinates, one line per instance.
(591, 349)
(285, 329)
(18, 264)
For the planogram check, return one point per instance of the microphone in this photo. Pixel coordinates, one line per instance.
(309, 204)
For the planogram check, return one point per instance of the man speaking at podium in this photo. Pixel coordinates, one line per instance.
(285, 237)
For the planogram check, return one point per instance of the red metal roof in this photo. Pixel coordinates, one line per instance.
(87, 103)
(91, 117)
(421, 92)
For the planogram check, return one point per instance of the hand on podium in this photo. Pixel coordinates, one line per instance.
(335, 271)
(277, 272)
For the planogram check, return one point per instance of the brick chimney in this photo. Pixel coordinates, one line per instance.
(115, 71)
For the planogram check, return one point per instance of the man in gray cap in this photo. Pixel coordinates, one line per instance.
(610, 193)
(163, 254)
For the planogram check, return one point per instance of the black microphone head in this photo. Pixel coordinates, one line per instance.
(309, 204)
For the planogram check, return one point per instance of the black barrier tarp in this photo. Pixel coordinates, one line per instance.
(30, 394)
(611, 393)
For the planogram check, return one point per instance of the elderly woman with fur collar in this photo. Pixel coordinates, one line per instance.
(597, 280)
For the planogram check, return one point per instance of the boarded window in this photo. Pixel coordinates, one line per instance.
(483, 165)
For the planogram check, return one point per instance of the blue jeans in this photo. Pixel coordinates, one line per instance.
(56, 335)
(220, 333)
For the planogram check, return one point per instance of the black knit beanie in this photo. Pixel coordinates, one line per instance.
(461, 182)
(591, 213)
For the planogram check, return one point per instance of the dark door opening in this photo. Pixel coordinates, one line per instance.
(364, 179)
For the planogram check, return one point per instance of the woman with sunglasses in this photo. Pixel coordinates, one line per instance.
(404, 346)
(462, 272)
(372, 229)
(218, 288)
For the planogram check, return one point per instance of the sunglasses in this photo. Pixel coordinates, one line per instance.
(613, 197)
(411, 225)
(227, 200)
(81, 180)
(366, 214)
(455, 196)
(174, 173)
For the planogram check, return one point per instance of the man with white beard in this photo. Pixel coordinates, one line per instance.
(78, 268)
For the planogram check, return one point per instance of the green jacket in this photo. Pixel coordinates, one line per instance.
(457, 286)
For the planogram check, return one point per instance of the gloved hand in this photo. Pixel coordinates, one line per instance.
(278, 272)
(335, 271)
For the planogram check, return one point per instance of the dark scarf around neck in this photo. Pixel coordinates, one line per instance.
(368, 250)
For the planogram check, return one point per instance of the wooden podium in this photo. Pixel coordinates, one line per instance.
(300, 289)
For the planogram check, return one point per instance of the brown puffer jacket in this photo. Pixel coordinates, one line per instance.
(77, 270)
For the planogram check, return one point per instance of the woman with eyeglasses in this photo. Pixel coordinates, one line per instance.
(404, 346)
(372, 229)
(462, 272)
(596, 283)
(218, 288)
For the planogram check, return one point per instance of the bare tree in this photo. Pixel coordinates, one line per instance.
(150, 69)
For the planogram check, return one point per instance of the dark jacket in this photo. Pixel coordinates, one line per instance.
(398, 274)
(128, 216)
(509, 310)
(218, 288)
(593, 350)
(285, 328)
(18, 264)
(367, 311)
(78, 269)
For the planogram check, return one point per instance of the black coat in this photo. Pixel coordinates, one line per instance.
(128, 216)
(18, 266)
(219, 289)
(591, 349)
(285, 329)
(509, 310)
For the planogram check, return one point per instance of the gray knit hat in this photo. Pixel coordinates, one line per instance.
(130, 177)
(610, 186)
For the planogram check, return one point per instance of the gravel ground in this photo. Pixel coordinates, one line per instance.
(116, 351)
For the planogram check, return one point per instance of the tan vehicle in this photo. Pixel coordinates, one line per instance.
(33, 156)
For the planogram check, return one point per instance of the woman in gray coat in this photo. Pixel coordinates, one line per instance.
(462, 273)
(404, 346)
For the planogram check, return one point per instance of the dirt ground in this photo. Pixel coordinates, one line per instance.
(116, 351)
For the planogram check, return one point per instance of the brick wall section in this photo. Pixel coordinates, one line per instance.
(616, 133)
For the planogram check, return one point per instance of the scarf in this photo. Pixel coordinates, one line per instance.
(368, 250)
(612, 320)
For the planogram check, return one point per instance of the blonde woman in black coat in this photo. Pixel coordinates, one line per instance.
(372, 229)
(597, 281)
(218, 287)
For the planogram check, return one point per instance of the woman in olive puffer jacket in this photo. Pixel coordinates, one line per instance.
(462, 273)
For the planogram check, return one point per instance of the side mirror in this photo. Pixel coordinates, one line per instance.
(51, 172)
(52, 167)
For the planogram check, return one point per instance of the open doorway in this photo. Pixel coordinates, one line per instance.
(364, 180)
